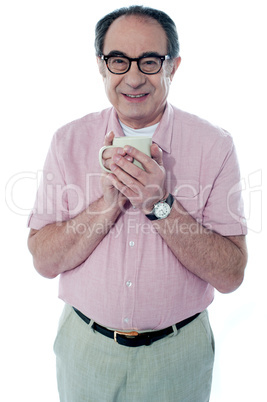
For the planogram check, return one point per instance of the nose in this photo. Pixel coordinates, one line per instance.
(134, 77)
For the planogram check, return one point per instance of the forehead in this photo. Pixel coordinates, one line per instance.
(135, 35)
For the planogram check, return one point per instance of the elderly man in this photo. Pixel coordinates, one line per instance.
(137, 283)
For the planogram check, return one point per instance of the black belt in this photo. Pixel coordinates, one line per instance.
(133, 338)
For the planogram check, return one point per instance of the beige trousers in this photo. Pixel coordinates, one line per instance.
(93, 368)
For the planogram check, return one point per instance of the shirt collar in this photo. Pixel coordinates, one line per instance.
(163, 134)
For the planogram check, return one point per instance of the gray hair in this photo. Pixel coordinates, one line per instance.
(162, 18)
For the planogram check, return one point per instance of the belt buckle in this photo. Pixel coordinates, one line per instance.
(131, 334)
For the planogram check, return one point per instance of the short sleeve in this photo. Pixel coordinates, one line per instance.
(224, 210)
(51, 199)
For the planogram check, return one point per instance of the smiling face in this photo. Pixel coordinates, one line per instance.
(139, 99)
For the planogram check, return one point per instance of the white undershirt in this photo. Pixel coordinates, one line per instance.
(146, 131)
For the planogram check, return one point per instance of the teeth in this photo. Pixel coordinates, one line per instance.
(136, 96)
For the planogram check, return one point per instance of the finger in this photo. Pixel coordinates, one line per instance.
(109, 153)
(128, 171)
(115, 182)
(146, 161)
(109, 138)
(156, 154)
(129, 158)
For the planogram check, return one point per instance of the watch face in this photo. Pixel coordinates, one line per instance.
(162, 210)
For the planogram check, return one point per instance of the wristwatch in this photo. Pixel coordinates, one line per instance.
(161, 209)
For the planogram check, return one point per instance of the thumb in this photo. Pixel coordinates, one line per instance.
(156, 154)
(109, 138)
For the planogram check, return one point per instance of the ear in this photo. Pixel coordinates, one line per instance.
(176, 64)
(101, 66)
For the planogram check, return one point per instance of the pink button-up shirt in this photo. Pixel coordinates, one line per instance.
(132, 279)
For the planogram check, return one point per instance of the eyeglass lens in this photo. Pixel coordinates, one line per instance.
(147, 65)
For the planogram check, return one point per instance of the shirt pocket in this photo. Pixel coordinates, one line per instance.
(187, 192)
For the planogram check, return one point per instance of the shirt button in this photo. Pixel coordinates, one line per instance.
(129, 284)
(131, 243)
(126, 320)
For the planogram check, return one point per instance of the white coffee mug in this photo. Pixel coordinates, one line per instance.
(143, 144)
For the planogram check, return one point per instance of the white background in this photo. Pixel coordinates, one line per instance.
(48, 78)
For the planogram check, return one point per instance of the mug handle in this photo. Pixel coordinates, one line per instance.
(101, 159)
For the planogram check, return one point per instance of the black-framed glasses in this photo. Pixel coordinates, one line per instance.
(146, 64)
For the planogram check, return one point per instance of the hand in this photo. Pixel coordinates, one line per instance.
(145, 187)
(110, 152)
(112, 196)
